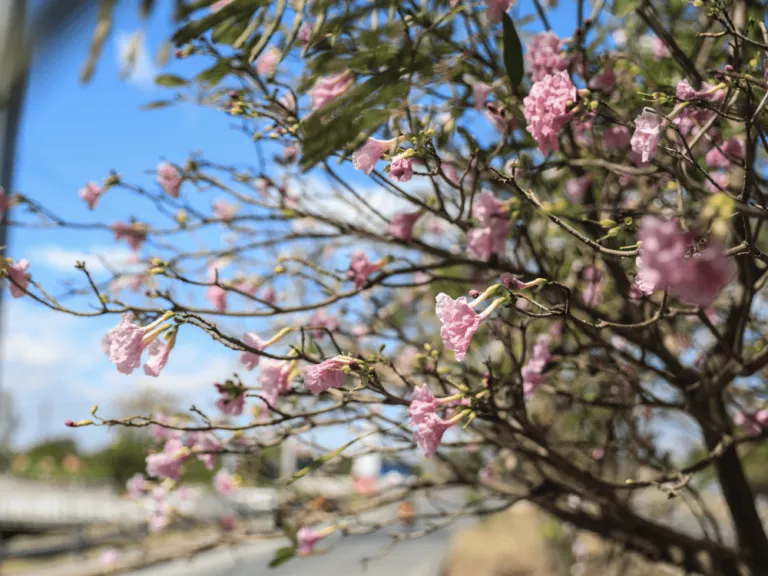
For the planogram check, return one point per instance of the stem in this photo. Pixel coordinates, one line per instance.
(277, 337)
(495, 304)
(488, 292)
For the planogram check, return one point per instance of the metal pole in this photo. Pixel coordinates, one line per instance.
(12, 88)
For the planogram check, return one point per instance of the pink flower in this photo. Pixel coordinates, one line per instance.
(132, 233)
(228, 523)
(646, 137)
(159, 351)
(423, 403)
(545, 56)
(496, 8)
(158, 432)
(594, 282)
(224, 483)
(482, 242)
(401, 226)
(127, 341)
(137, 485)
(269, 295)
(360, 269)
(249, 359)
(753, 423)
(487, 208)
(685, 91)
(307, 540)
(207, 448)
(232, 399)
(305, 33)
(328, 374)
(575, 188)
(401, 168)
(616, 138)
(19, 278)
(665, 262)
(429, 433)
(328, 88)
(247, 285)
(532, 371)
(109, 557)
(217, 296)
(169, 178)
(225, 211)
(167, 464)
(718, 157)
(491, 238)
(605, 81)
(274, 379)
(161, 513)
(91, 194)
(323, 323)
(365, 157)
(480, 93)
(216, 6)
(546, 109)
(659, 48)
(267, 62)
(459, 323)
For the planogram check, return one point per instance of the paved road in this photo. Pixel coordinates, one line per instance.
(422, 557)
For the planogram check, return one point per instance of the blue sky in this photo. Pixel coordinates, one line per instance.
(72, 134)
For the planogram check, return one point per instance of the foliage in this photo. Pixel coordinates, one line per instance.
(600, 200)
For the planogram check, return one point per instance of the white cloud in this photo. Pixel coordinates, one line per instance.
(143, 71)
(63, 259)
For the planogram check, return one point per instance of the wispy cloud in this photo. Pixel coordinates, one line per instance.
(143, 70)
(63, 259)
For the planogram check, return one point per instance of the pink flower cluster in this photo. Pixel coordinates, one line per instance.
(322, 322)
(249, 359)
(401, 168)
(491, 236)
(401, 226)
(545, 56)
(753, 423)
(645, 140)
(275, 379)
(91, 194)
(534, 367)
(361, 268)
(496, 8)
(126, 342)
(328, 374)
(134, 234)
(667, 262)
(328, 88)
(720, 157)
(224, 483)
(365, 157)
(708, 93)
(547, 109)
(429, 427)
(169, 178)
(268, 61)
(19, 277)
(232, 398)
(459, 323)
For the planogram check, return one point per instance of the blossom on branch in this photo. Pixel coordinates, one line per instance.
(19, 277)
(169, 178)
(91, 194)
(548, 108)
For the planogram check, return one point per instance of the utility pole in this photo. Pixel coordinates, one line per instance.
(12, 88)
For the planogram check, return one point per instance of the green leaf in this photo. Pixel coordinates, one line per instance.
(290, 531)
(170, 80)
(282, 555)
(622, 8)
(513, 52)
(215, 74)
(158, 104)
